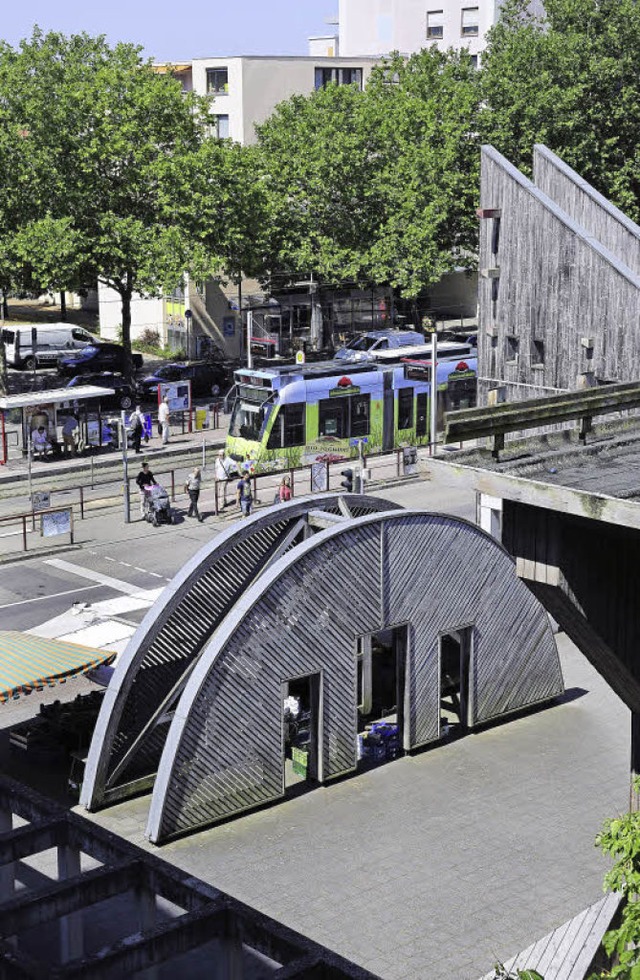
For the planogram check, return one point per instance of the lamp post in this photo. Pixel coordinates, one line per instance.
(188, 316)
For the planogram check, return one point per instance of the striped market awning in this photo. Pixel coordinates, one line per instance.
(29, 663)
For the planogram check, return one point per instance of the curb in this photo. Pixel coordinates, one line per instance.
(38, 553)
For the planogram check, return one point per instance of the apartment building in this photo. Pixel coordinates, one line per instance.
(243, 91)
(376, 27)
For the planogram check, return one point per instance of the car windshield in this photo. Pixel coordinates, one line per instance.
(362, 343)
(170, 372)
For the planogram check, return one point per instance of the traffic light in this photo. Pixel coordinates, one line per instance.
(347, 483)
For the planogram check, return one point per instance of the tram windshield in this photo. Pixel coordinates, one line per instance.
(249, 413)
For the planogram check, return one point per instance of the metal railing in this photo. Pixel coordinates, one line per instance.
(89, 500)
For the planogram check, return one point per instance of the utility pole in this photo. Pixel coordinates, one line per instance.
(249, 334)
(433, 433)
(125, 468)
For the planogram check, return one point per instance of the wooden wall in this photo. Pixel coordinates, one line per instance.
(558, 286)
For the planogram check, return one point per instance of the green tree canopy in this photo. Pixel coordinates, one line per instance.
(570, 81)
(377, 185)
(113, 149)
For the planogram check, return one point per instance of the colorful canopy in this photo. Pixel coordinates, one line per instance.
(29, 662)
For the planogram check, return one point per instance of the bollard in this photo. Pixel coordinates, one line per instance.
(24, 532)
(81, 503)
(173, 485)
(328, 477)
(215, 498)
(292, 480)
(204, 455)
(398, 451)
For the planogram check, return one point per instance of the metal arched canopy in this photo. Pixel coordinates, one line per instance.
(171, 636)
(435, 572)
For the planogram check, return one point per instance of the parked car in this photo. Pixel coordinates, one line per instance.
(97, 357)
(124, 396)
(32, 346)
(378, 340)
(206, 379)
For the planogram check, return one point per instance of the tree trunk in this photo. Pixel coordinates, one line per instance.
(63, 306)
(5, 305)
(126, 336)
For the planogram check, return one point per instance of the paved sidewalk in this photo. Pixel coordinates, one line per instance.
(438, 865)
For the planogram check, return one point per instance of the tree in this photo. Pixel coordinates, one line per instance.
(570, 81)
(110, 141)
(620, 839)
(380, 185)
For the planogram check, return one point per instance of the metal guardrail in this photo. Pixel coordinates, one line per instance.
(86, 500)
(497, 420)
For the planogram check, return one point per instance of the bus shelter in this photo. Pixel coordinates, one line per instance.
(21, 415)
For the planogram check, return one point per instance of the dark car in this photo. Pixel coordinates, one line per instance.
(206, 379)
(124, 395)
(97, 357)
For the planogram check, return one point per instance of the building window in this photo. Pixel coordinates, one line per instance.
(221, 127)
(405, 408)
(338, 76)
(474, 60)
(537, 352)
(435, 25)
(470, 22)
(289, 427)
(513, 346)
(217, 81)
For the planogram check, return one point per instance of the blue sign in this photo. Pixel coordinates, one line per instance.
(229, 326)
(356, 442)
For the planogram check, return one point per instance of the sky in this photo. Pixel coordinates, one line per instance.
(182, 29)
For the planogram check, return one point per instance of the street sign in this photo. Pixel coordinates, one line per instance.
(356, 442)
(41, 500)
(300, 357)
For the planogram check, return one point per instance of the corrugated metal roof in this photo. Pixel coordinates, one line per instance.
(28, 662)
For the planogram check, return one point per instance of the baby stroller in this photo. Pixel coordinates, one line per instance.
(157, 506)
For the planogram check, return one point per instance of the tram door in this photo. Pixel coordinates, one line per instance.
(455, 660)
(388, 412)
(301, 729)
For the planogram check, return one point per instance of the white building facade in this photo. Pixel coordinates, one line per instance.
(243, 91)
(376, 27)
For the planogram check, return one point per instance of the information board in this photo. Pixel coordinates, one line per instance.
(410, 460)
(177, 393)
(319, 482)
(41, 500)
(55, 522)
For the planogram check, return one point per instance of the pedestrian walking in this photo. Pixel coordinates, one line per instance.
(145, 478)
(192, 486)
(224, 470)
(244, 495)
(136, 427)
(163, 420)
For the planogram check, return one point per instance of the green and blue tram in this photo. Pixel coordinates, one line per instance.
(296, 414)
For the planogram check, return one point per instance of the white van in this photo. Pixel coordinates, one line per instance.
(34, 345)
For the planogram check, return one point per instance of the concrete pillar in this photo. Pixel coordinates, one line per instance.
(7, 871)
(71, 928)
(230, 958)
(634, 795)
(147, 920)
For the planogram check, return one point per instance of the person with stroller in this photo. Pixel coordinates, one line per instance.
(192, 486)
(145, 478)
